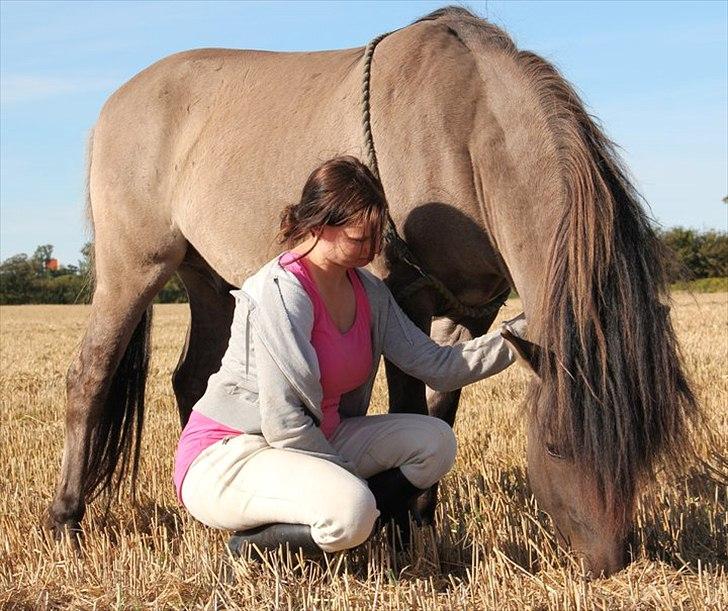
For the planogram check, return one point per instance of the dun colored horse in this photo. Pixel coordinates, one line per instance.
(496, 176)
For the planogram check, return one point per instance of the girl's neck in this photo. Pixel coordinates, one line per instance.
(325, 272)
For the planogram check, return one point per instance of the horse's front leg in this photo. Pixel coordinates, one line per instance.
(444, 405)
(406, 393)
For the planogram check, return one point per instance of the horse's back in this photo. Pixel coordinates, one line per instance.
(213, 141)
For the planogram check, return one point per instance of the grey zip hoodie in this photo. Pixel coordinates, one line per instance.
(269, 379)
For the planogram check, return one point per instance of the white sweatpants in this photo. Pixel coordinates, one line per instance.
(241, 482)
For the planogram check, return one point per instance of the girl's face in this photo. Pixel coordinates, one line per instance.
(349, 245)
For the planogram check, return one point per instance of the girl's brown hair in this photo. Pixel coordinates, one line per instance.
(340, 191)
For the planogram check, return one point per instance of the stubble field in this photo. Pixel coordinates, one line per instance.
(491, 548)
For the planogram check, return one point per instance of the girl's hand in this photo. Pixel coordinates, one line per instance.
(516, 325)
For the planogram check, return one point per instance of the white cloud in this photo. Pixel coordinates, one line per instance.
(16, 88)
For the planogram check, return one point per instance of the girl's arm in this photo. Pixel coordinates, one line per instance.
(446, 368)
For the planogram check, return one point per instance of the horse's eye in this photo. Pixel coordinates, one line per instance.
(553, 452)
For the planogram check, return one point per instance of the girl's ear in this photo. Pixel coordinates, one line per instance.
(529, 354)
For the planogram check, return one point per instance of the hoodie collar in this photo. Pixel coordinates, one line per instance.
(296, 359)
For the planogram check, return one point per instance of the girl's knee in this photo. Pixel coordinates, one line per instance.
(436, 455)
(349, 523)
(443, 449)
(448, 446)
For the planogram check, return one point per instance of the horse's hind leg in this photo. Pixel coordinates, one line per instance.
(211, 314)
(105, 382)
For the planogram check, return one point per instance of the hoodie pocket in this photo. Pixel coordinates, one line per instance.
(248, 385)
(244, 397)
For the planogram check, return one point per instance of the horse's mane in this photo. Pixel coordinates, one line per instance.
(613, 396)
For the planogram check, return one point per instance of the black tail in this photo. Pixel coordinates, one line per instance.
(116, 438)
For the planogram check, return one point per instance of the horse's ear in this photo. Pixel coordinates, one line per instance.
(529, 353)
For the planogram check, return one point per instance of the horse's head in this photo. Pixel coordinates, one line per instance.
(588, 518)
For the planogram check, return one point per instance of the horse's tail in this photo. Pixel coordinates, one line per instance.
(117, 435)
(116, 439)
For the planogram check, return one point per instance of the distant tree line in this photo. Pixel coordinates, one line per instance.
(696, 254)
(40, 279)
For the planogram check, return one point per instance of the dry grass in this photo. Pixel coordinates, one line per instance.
(491, 549)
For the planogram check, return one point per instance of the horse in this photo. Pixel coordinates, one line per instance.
(496, 177)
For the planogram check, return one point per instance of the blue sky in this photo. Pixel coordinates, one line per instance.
(654, 73)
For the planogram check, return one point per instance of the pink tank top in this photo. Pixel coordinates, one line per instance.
(345, 361)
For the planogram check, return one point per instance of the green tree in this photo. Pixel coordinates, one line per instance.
(687, 262)
(42, 255)
(65, 270)
(17, 279)
(68, 288)
(86, 263)
(172, 292)
(714, 248)
(695, 254)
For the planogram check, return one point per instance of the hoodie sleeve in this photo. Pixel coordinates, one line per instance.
(443, 367)
(286, 422)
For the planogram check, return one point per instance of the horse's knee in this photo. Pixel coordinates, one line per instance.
(89, 373)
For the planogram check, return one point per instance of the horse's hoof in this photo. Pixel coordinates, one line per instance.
(424, 509)
(68, 529)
